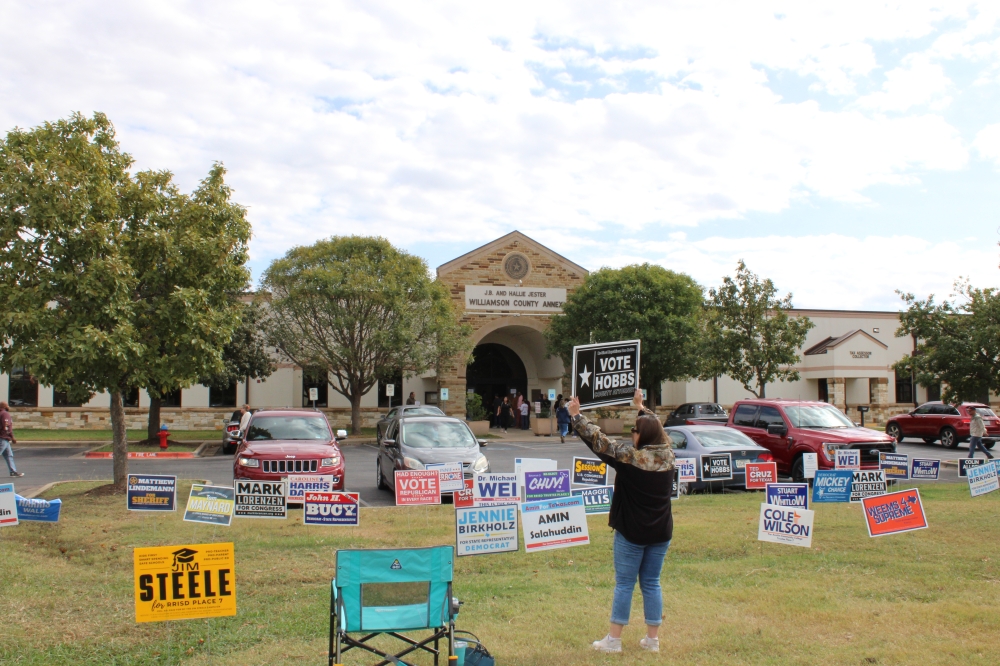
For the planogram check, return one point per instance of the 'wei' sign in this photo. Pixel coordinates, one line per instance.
(495, 489)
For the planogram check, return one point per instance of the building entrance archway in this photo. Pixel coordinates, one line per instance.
(495, 370)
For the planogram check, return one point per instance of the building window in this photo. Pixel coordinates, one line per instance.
(824, 391)
(872, 391)
(933, 392)
(172, 399)
(904, 388)
(130, 398)
(431, 397)
(23, 389)
(314, 379)
(383, 399)
(61, 399)
(222, 396)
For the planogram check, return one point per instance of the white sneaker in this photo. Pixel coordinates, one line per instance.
(650, 644)
(608, 644)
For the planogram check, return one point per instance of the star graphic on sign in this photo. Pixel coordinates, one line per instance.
(585, 377)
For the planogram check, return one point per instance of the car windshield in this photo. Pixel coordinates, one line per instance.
(288, 427)
(437, 435)
(711, 410)
(817, 416)
(722, 438)
(423, 411)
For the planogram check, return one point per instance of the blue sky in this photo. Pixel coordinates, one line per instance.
(845, 149)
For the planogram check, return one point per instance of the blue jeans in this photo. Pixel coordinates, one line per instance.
(563, 429)
(8, 455)
(644, 562)
(977, 443)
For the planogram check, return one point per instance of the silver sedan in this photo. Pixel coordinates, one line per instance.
(696, 441)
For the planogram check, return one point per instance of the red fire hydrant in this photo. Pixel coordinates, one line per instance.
(163, 434)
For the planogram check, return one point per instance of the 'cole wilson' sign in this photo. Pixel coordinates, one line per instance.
(606, 373)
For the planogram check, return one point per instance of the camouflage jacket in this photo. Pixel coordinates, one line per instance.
(658, 458)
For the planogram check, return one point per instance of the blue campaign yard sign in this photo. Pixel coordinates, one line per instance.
(38, 509)
(925, 468)
(788, 494)
(151, 492)
(832, 485)
(895, 465)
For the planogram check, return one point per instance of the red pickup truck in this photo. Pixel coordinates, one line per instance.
(789, 428)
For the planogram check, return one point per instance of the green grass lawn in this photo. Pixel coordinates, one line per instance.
(102, 435)
(927, 597)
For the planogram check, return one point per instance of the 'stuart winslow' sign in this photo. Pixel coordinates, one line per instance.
(523, 299)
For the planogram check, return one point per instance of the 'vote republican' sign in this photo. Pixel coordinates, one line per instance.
(417, 487)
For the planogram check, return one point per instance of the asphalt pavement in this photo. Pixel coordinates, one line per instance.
(43, 465)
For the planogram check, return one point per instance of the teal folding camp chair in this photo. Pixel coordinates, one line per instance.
(391, 591)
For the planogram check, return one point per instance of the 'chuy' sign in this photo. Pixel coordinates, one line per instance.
(788, 494)
(261, 499)
(847, 459)
(895, 465)
(895, 512)
(787, 525)
(495, 489)
(210, 504)
(546, 485)
(687, 469)
(555, 523)
(417, 486)
(151, 492)
(717, 467)
(925, 468)
(867, 483)
(606, 373)
(8, 505)
(486, 529)
(340, 509)
(596, 499)
(982, 480)
(761, 474)
(832, 485)
(590, 472)
(184, 582)
(300, 484)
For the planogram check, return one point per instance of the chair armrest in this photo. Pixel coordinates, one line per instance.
(333, 587)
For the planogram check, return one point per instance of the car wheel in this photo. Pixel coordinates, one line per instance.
(949, 439)
(798, 471)
(379, 479)
(988, 445)
(894, 431)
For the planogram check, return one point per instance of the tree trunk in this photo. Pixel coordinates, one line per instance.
(762, 387)
(120, 441)
(356, 413)
(153, 426)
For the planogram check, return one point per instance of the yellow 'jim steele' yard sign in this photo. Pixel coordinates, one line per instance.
(184, 582)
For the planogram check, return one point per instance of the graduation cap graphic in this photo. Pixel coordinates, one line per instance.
(184, 555)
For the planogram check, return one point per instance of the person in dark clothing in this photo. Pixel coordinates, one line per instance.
(412, 400)
(505, 414)
(562, 419)
(640, 515)
(7, 439)
(495, 416)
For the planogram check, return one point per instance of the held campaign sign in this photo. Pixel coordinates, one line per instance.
(590, 472)
(417, 486)
(761, 474)
(597, 499)
(606, 373)
(339, 509)
(486, 529)
(210, 504)
(261, 499)
(556, 523)
(151, 492)
(892, 513)
(546, 485)
(787, 525)
(184, 582)
(833, 485)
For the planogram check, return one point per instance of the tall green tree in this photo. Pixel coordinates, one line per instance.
(358, 310)
(958, 343)
(245, 356)
(749, 335)
(649, 303)
(81, 240)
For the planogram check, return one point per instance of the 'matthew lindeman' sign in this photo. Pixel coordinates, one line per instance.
(526, 299)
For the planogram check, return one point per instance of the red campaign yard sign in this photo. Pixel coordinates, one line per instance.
(894, 512)
(761, 474)
(417, 486)
(465, 498)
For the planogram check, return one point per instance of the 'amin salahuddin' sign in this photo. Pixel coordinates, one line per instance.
(606, 373)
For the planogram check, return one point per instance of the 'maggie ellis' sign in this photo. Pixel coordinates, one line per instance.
(606, 373)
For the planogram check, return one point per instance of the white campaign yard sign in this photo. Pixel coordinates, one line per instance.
(8, 505)
(495, 489)
(983, 479)
(687, 469)
(554, 523)
(485, 530)
(525, 299)
(522, 465)
(785, 524)
(847, 459)
(810, 463)
(451, 477)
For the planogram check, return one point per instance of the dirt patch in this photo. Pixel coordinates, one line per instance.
(104, 491)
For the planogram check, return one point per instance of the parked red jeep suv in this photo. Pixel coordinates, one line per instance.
(282, 442)
(932, 421)
(789, 428)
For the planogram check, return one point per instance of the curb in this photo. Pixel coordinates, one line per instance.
(141, 454)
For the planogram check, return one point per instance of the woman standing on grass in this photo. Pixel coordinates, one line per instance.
(640, 516)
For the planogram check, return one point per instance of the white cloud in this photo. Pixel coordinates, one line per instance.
(987, 142)
(919, 82)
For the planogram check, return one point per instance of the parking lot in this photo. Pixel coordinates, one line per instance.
(48, 464)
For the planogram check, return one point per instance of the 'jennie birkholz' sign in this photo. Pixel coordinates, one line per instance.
(606, 373)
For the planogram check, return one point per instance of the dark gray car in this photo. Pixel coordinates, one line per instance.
(412, 442)
(702, 411)
(702, 440)
(399, 412)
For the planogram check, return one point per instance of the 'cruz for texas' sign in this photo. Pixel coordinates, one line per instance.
(761, 474)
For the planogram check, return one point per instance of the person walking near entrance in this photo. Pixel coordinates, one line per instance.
(517, 410)
(562, 418)
(412, 400)
(7, 438)
(977, 430)
(504, 414)
(524, 414)
(640, 515)
(495, 414)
